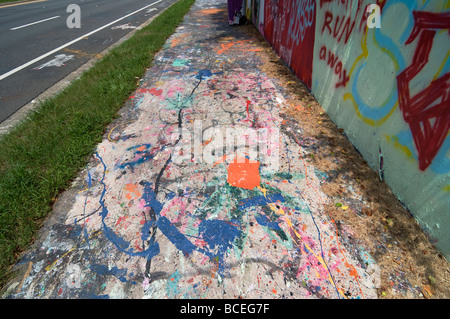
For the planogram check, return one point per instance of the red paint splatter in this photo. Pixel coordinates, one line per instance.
(153, 91)
(248, 103)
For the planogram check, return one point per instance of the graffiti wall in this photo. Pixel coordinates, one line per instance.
(289, 27)
(387, 87)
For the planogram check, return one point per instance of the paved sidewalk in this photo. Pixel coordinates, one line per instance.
(147, 220)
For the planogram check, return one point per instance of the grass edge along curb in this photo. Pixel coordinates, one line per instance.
(5, 2)
(41, 155)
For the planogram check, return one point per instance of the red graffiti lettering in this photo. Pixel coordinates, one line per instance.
(331, 59)
(338, 31)
(344, 79)
(334, 63)
(328, 19)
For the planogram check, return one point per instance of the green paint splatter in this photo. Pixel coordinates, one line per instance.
(172, 284)
(179, 102)
(180, 62)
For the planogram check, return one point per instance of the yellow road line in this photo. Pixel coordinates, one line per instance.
(19, 3)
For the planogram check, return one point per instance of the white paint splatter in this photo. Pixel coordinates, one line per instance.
(58, 61)
(123, 27)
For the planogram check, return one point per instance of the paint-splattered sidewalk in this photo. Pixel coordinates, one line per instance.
(153, 217)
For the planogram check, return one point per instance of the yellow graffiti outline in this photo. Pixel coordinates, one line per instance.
(364, 54)
(349, 95)
(399, 146)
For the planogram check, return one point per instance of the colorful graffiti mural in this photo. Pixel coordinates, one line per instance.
(386, 87)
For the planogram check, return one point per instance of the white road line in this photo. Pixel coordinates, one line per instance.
(27, 25)
(23, 66)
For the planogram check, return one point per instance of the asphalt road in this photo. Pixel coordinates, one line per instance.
(38, 49)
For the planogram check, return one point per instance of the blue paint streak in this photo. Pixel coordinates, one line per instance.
(219, 235)
(145, 233)
(86, 236)
(323, 256)
(260, 200)
(139, 156)
(114, 271)
(175, 236)
(150, 199)
(203, 74)
(118, 241)
(98, 297)
(89, 179)
(263, 220)
(170, 195)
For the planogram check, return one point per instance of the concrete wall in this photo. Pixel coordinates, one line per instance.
(387, 87)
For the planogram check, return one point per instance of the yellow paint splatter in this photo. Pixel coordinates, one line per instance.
(399, 146)
(349, 96)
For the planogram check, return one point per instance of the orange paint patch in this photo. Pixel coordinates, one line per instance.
(132, 189)
(179, 40)
(237, 45)
(352, 270)
(225, 47)
(211, 11)
(207, 142)
(244, 175)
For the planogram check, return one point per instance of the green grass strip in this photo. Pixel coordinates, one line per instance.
(7, 1)
(40, 157)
